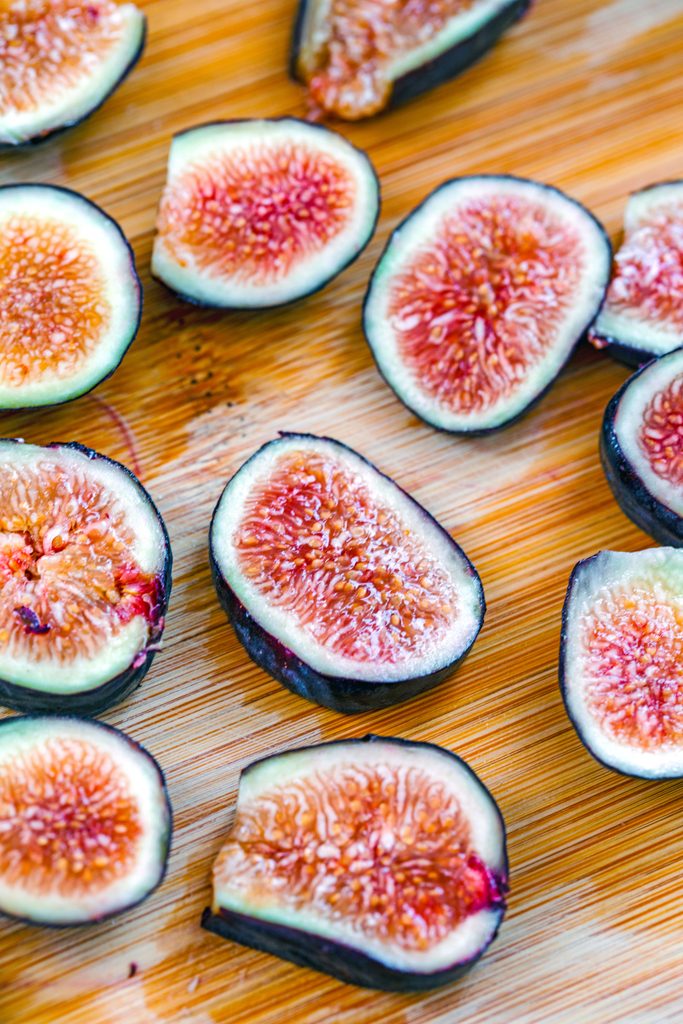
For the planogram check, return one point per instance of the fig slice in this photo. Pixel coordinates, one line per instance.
(643, 313)
(358, 56)
(70, 297)
(258, 213)
(621, 660)
(379, 861)
(60, 60)
(85, 820)
(480, 296)
(85, 574)
(641, 446)
(336, 581)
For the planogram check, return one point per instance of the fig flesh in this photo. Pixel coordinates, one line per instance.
(85, 574)
(621, 660)
(260, 213)
(358, 56)
(480, 297)
(643, 313)
(60, 60)
(336, 581)
(85, 820)
(379, 861)
(70, 297)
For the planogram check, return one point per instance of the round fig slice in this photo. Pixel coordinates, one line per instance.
(621, 660)
(643, 313)
(85, 574)
(85, 820)
(641, 446)
(336, 581)
(70, 297)
(379, 861)
(260, 213)
(480, 297)
(60, 60)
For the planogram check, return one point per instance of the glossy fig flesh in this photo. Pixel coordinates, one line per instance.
(70, 298)
(260, 213)
(59, 60)
(85, 820)
(643, 314)
(85, 574)
(480, 297)
(358, 56)
(337, 582)
(379, 861)
(621, 661)
(642, 448)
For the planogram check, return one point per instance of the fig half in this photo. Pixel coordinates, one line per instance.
(358, 56)
(643, 314)
(621, 660)
(85, 820)
(70, 297)
(480, 297)
(60, 60)
(260, 213)
(85, 574)
(336, 581)
(379, 861)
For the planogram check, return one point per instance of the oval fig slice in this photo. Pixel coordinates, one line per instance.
(85, 574)
(357, 56)
(260, 213)
(60, 60)
(70, 297)
(85, 820)
(336, 581)
(379, 861)
(643, 313)
(641, 446)
(481, 295)
(621, 660)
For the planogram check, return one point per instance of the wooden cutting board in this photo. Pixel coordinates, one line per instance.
(582, 94)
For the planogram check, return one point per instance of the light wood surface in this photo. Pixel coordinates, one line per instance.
(582, 94)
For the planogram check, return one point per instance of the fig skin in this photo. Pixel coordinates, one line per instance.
(337, 958)
(349, 696)
(100, 698)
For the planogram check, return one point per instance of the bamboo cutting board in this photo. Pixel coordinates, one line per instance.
(583, 94)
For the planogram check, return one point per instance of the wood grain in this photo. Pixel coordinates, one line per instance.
(582, 94)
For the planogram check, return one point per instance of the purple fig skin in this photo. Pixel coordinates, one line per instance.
(349, 696)
(115, 690)
(337, 958)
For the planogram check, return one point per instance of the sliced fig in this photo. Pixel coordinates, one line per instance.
(336, 581)
(70, 297)
(643, 313)
(60, 60)
(358, 56)
(379, 861)
(85, 820)
(85, 574)
(260, 213)
(480, 297)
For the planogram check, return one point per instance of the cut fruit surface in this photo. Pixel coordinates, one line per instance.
(70, 298)
(481, 295)
(84, 578)
(60, 59)
(85, 821)
(621, 667)
(643, 314)
(357, 56)
(337, 582)
(379, 861)
(259, 213)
